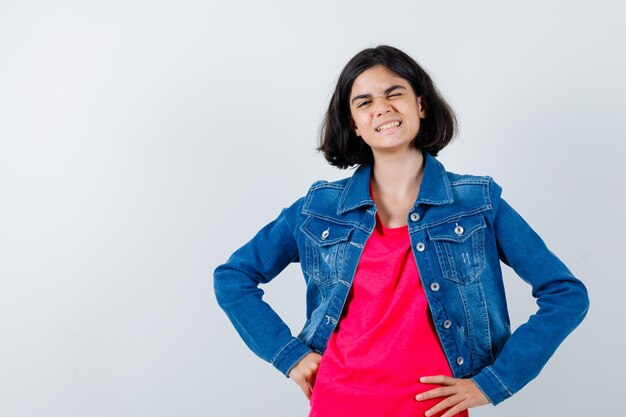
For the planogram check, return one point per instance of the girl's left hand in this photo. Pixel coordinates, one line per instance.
(461, 394)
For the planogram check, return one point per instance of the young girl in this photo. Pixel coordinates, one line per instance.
(406, 311)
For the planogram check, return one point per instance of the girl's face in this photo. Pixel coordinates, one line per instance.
(385, 111)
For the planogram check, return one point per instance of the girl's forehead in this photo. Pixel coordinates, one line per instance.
(377, 86)
(377, 78)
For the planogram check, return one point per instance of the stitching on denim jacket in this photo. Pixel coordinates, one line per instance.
(316, 333)
(344, 195)
(281, 349)
(444, 174)
(468, 322)
(486, 320)
(485, 189)
(499, 380)
(492, 202)
(450, 218)
(471, 181)
(335, 220)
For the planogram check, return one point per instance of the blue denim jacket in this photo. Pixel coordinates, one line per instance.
(460, 229)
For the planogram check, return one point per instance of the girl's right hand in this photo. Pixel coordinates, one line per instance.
(305, 371)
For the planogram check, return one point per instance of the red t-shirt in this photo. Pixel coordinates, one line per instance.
(385, 339)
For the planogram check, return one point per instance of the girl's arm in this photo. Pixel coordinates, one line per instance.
(562, 299)
(236, 284)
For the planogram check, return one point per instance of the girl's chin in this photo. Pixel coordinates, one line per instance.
(399, 147)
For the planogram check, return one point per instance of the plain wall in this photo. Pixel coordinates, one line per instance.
(143, 142)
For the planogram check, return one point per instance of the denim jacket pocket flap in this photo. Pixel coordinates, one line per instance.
(460, 248)
(457, 231)
(325, 232)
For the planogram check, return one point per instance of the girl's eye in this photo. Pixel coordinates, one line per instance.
(363, 103)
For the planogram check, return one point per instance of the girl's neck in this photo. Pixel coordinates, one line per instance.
(398, 176)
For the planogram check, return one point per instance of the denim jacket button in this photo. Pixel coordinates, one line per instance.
(458, 230)
(434, 286)
(325, 233)
(415, 216)
(420, 246)
(459, 360)
(447, 324)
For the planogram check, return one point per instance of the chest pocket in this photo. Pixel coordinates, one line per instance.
(460, 247)
(325, 248)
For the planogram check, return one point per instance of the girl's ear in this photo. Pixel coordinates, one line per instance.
(422, 107)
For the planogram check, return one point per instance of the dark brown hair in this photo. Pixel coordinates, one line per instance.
(338, 142)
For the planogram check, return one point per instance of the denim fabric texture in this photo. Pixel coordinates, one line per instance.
(460, 230)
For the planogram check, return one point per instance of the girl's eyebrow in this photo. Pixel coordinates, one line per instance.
(387, 91)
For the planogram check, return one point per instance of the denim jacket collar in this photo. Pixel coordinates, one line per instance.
(435, 184)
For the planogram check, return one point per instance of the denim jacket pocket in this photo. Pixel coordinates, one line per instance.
(325, 245)
(460, 247)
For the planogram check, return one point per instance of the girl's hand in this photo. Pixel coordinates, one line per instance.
(305, 371)
(461, 394)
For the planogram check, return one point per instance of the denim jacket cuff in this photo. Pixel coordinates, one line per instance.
(492, 386)
(289, 355)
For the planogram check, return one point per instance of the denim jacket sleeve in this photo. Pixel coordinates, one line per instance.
(562, 300)
(236, 285)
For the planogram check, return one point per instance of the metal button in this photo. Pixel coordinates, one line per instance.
(458, 230)
(325, 233)
(434, 286)
(415, 216)
(459, 360)
(447, 324)
(420, 246)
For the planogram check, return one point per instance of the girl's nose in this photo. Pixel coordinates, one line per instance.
(382, 106)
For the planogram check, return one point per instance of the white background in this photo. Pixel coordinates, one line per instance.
(142, 142)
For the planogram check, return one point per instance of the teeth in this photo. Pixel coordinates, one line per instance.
(388, 125)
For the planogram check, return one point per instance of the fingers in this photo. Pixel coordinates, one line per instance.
(460, 394)
(306, 388)
(442, 405)
(305, 372)
(312, 378)
(434, 393)
(438, 379)
(455, 410)
(305, 384)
